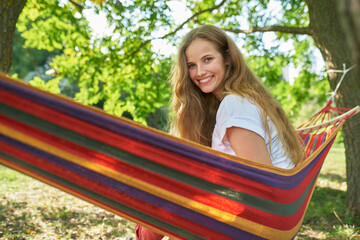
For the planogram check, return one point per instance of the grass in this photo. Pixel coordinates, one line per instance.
(32, 210)
(325, 217)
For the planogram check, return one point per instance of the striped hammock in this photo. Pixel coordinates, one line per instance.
(175, 187)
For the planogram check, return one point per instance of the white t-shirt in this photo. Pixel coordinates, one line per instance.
(236, 111)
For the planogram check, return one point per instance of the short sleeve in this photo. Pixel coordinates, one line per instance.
(236, 111)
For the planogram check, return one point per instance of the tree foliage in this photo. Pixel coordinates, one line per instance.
(30, 62)
(124, 72)
(106, 71)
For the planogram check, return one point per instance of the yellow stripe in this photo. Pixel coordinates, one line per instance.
(233, 220)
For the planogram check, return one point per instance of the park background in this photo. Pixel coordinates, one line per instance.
(117, 55)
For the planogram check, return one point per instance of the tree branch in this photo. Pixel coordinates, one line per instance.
(192, 17)
(78, 6)
(274, 28)
(180, 26)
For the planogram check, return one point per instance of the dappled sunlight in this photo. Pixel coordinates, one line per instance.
(333, 172)
(220, 203)
(33, 210)
(332, 181)
(309, 233)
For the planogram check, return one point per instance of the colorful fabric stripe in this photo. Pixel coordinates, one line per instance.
(174, 186)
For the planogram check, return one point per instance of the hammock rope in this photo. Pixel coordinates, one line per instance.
(344, 72)
(173, 186)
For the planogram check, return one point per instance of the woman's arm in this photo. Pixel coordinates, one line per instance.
(247, 144)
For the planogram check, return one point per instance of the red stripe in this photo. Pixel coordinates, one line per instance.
(160, 181)
(160, 156)
(303, 137)
(310, 144)
(319, 140)
(111, 193)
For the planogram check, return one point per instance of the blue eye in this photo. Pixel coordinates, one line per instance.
(191, 66)
(208, 59)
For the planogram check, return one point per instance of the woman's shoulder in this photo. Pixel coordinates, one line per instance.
(236, 101)
(232, 97)
(235, 105)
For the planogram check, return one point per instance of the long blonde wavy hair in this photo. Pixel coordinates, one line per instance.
(194, 112)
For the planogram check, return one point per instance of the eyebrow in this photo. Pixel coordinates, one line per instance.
(207, 55)
(204, 56)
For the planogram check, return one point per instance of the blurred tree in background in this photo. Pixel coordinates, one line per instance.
(30, 62)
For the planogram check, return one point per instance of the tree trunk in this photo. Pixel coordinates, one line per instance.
(329, 37)
(349, 11)
(9, 12)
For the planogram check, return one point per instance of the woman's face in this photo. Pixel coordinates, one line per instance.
(206, 66)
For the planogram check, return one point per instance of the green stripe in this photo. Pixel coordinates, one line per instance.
(244, 198)
(314, 144)
(103, 199)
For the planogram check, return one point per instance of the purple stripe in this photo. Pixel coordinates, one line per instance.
(200, 219)
(307, 139)
(249, 172)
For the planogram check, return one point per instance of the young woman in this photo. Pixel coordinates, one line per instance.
(217, 101)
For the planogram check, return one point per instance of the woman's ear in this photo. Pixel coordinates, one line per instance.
(227, 58)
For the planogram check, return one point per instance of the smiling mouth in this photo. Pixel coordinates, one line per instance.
(205, 80)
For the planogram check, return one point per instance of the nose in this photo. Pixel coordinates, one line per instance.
(201, 70)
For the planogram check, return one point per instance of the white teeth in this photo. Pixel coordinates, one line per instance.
(205, 80)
